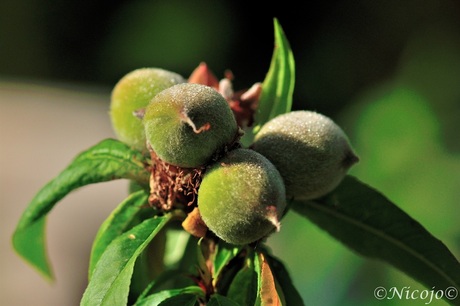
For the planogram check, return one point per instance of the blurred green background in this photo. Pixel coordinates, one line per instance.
(387, 71)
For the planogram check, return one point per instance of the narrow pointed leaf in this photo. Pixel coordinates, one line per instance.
(224, 254)
(116, 224)
(111, 278)
(367, 222)
(107, 160)
(282, 277)
(168, 280)
(243, 288)
(202, 254)
(267, 292)
(158, 297)
(278, 85)
(186, 299)
(220, 300)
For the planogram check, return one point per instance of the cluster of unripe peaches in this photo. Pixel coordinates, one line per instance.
(192, 128)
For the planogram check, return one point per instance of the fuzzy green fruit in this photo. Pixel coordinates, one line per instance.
(242, 197)
(133, 92)
(311, 152)
(187, 124)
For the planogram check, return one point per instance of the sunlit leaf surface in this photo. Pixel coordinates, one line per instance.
(106, 161)
(367, 222)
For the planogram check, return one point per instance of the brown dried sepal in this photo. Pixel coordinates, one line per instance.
(242, 102)
(172, 186)
(194, 224)
(203, 75)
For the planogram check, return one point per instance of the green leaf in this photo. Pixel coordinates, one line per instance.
(108, 160)
(170, 279)
(243, 288)
(201, 255)
(283, 278)
(219, 300)
(278, 85)
(367, 222)
(224, 254)
(111, 278)
(158, 297)
(117, 223)
(185, 299)
(177, 241)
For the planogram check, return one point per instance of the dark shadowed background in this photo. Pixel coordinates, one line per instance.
(387, 71)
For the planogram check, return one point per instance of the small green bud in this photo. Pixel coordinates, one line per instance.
(242, 197)
(187, 124)
(311, 152)
(133, 92)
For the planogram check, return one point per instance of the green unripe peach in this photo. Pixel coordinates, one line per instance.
(133, 92)
(187, 124)
(311, 152)
(242, 197)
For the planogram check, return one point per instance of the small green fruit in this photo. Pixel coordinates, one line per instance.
(133, 92)
(187, 124)
(311, 152)
(242, 197)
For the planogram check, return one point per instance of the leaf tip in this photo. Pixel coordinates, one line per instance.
(26, 245)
